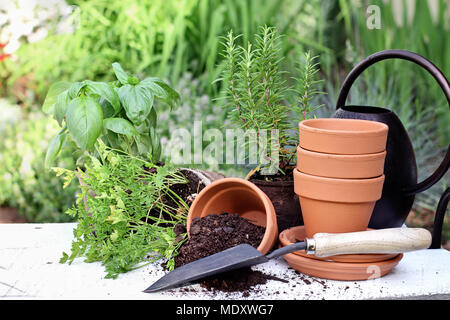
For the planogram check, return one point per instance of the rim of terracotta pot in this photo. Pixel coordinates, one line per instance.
(343, 157)
(210, 193)
(343, 136)
(355, 166)
(345, 127)
(338, 189)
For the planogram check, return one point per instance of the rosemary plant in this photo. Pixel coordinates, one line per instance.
(257, 94)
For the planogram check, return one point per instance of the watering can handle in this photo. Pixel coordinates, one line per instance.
(427, 65)
(439, 219)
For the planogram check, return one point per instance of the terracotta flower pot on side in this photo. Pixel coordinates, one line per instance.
(343, 136)
(336, 205)
(236, 195)
(361, 166)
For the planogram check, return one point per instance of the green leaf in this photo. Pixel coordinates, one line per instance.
(144, 145)
(61, 105)
(111, 139)
(54, 147)
(64, 258)
(156, 145)
(105, 91)
(116, 216)
(75, 89)
(137, 102)
(107, 108)
(114, 236)
(52, 95)
(85, 121)
(162, 91)
(121, 75)
(173, 98)
(152, 84)
(153, 118)
(119, 125)
(133, 80)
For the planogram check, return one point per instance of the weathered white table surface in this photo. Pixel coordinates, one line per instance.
(30, 269)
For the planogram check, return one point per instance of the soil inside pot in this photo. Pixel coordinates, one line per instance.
(196, 181)
(215, 233)
(280, 190)
(188, 191)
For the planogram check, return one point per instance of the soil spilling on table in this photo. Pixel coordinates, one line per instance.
(218, 232)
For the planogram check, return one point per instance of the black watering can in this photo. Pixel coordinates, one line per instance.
(400, 186)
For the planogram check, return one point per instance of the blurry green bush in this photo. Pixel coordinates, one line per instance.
(418, 26)
(196, 106)
(179, 40)
(165, 38)
(25, 184)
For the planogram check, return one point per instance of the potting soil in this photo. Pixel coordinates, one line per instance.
(217, 232)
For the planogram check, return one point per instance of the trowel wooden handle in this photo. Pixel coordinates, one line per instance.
(393, 240)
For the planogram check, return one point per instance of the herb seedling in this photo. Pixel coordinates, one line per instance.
(122, 114)
(126, 212)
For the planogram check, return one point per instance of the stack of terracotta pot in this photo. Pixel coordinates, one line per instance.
(339, 175)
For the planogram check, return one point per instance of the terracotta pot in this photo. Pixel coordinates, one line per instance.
(336, 205)
(236, 195)
(343, 136)
(11, 215)
(359, 166)
(284, 200)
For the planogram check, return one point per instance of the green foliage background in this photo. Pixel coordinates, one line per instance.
(25, 184)
(180, 41)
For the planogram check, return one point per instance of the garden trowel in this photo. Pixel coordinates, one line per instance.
(393, 240)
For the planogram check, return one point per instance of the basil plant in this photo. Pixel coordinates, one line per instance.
(122, 114)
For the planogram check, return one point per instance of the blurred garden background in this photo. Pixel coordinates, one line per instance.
(44, 41)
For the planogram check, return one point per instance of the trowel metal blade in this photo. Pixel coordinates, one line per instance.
(237, 257)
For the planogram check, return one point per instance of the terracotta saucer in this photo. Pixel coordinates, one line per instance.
(298, 233)
(341, 270)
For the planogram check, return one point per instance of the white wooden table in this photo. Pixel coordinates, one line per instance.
(30, 269)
